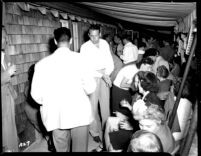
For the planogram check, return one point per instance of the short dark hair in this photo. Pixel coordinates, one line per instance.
(186, 89)
(94, 27)
(141, 44)
(162, 71)
(62, 34)
(152, 99)
(148, 80)
(146, 60)
(150, 52)
(118, 36)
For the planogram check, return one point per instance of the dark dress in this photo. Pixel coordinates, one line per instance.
(118, 95)
(120, 139)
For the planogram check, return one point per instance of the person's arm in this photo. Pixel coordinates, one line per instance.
(126, 54)
(125, 125)
(126, 104)
(124, 83)
(121, 116)
(6, 75)
(184, 114)
(183, 60)
(107, 80)
(111, 125)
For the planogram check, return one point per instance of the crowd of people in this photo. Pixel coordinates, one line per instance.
(120, 93)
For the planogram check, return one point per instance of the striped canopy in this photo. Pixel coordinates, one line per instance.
(149, 13)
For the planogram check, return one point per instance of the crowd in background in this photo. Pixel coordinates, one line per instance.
(118, 89)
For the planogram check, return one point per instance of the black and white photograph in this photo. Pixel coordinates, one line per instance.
(100, 76)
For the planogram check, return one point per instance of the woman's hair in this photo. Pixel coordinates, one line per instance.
(147, 60)
(148, 81)
(162, 71)
(152, 99)
(186, 89)
(155, 113)
(144, 141)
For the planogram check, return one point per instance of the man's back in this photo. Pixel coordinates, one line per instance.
(59, 78)
(130, 53)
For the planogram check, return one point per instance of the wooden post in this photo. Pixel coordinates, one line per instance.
(185, 147)
(183, 81)
(3, 11)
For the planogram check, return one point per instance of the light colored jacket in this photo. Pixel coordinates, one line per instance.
(60, 84)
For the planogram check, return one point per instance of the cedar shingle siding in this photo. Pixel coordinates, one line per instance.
(28, 34)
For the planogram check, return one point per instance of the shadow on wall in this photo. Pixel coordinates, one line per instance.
(32, 108)
(52, 46)
(85, 36)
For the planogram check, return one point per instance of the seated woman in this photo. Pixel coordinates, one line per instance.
(145, 141)
(162, 74)
(184, 112)
(122, 83)
(147, 85)
(118, 138)
(154, 121)
(164, 82)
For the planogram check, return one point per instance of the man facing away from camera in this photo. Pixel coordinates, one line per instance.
(61, 84)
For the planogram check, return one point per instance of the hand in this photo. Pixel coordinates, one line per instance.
(143, 40)
(126, 104)
(107, 80)
(121, 116)
(12, 70)
(119, 53)
(125, 125)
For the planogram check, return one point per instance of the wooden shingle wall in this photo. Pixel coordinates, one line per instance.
(29, 33)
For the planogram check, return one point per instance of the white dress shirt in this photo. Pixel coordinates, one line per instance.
(128, 72)
(130, 53)
(60, 84)
(98, 58)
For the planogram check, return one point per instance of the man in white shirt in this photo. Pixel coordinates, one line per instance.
(96, 51)
(130, 51)
(60, 85)
(158, 60)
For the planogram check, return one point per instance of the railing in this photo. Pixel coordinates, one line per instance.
(186, 145)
